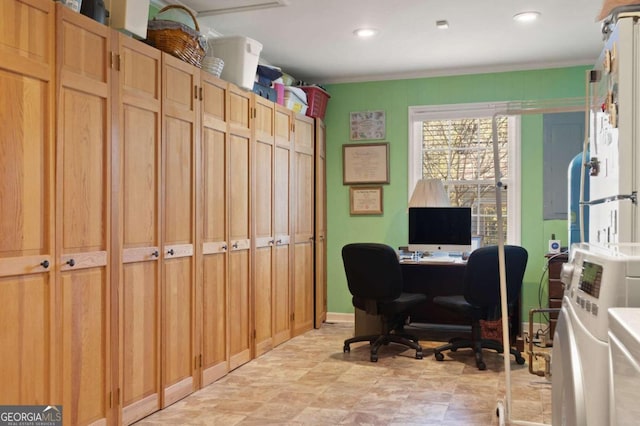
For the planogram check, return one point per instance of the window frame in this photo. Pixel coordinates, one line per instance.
(418, 114)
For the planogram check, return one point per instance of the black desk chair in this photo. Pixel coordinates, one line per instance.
(374, 277)
(481, 299)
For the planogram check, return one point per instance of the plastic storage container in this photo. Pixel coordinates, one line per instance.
(130, 15)
(295, 99)
(240, 56)
(265, 91)
(317, 100)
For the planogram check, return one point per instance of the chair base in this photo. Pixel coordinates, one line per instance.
(377, 340)
(477, 346)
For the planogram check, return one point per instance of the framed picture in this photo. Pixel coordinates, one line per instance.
(367, 125)
(365, 200)
(365, 163)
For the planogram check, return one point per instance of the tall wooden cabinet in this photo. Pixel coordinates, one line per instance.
(282, 225)
(214, 295)
(239, 231)
(136, 221)
(83, 195)
(263, 226)
(303, 236)
(180, 150)
(320, 264)
(28, 341)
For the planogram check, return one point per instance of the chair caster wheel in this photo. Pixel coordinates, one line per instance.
(482, 366)
(346, 348)
(374, 358)
(453, 349)
(419, 355)
(439, 356)
(519, 360)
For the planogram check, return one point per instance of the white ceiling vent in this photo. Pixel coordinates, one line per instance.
(218, 7)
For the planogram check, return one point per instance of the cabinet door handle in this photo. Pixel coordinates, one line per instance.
(155, 253)
(71, 262)
(271, 242)
(170, 252)
(200, 92)
(44, 264)
(224, 247)
(279, 241)
(235, 245)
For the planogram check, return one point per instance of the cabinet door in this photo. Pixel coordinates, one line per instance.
(214, 243)
(239, 309)
(283, 125)
(304, 228)
(320, 226)
(27, 344)
(137, 219)
(83, 190)
(263, 224)
(180, 109)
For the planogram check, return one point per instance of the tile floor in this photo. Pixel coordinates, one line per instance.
(310, 381)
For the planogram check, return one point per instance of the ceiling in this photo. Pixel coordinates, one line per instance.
(313, 40)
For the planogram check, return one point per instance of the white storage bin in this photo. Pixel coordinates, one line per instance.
(240, 56)
(130, 15)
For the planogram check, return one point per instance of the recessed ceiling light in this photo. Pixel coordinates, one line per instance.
(526, 16)
(443, 24)
(365, 32)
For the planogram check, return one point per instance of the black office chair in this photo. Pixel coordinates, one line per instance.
(374, 277)
(481, 299)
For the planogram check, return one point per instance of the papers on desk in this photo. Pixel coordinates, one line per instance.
(440, 259)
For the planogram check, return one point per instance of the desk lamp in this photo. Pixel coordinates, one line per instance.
(429, 193)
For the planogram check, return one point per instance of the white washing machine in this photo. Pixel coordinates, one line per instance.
(624, 351)
(596, 279)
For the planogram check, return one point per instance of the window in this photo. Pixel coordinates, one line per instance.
(454, 143)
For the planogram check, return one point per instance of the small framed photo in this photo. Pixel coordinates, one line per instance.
(365, 200)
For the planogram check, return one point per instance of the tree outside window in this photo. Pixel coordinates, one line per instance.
(460, 153)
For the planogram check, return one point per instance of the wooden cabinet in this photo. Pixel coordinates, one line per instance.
(180, 119)
(320, 263)
(151, 215)
(28, 348)
(83, 194)
(239, 175)
(136, 222)
(556, 290)
(303, 237)
(214, 243)
(263, 226)
(282, 225)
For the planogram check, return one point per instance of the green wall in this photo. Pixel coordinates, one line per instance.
(394, 97)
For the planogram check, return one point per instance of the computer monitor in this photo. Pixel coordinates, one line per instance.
(440, 229)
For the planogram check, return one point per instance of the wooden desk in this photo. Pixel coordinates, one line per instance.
(441, 279)
(434, 279)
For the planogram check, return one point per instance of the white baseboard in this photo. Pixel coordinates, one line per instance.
(340, 317)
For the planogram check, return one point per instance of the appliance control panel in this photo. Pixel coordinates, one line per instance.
(591, 278)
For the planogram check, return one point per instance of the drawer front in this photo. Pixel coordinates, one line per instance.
(555, 289)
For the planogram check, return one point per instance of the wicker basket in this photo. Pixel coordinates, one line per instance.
(176, 38)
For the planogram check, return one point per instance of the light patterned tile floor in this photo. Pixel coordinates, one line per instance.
(310, 381)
